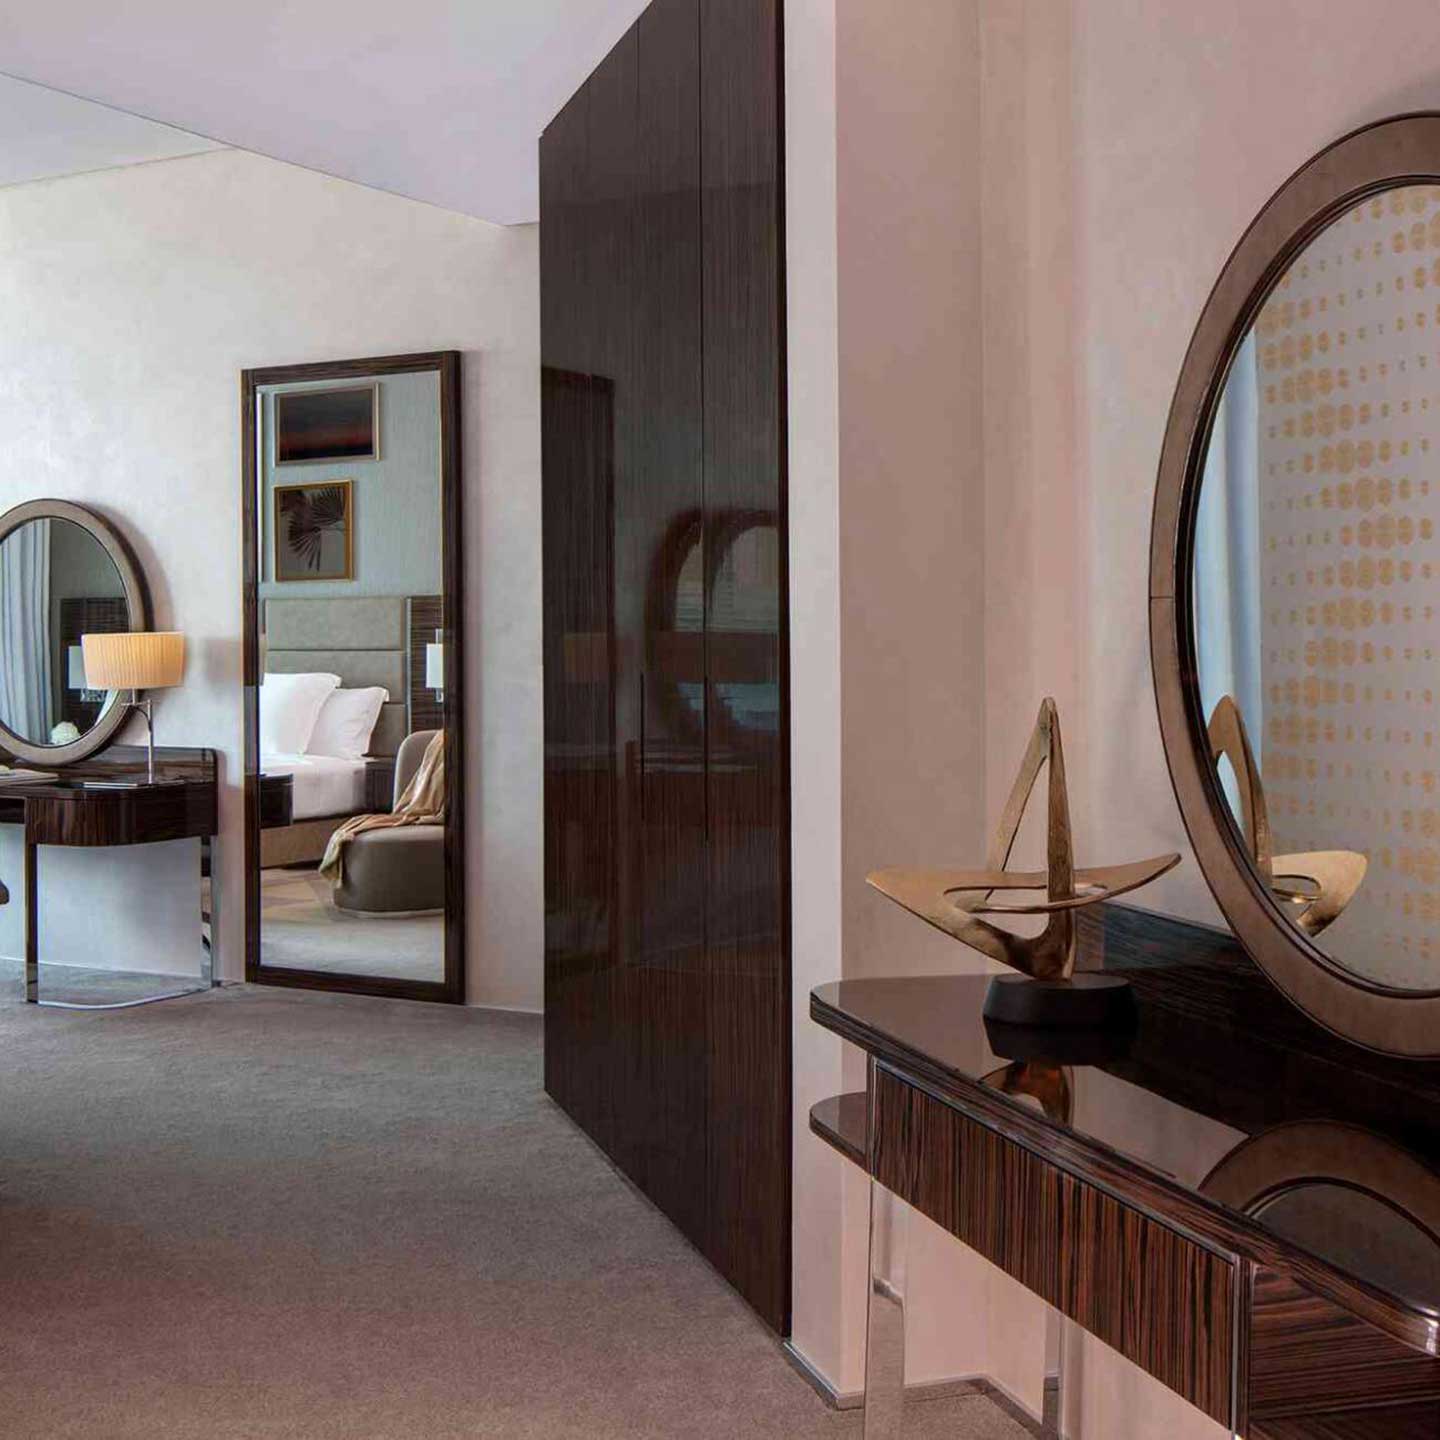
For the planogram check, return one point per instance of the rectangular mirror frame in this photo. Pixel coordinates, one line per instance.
(447, 364)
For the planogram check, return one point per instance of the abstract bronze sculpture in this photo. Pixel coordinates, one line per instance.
(1312, 887)
(1047, 991)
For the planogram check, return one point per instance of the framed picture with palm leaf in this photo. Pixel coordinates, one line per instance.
(314, 531)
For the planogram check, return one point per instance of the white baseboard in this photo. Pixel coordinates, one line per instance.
(930, 1390)
(854, 1399)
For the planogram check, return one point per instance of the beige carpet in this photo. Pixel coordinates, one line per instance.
(301, 927)
(264, 1213)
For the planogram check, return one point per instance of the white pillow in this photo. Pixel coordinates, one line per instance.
(347, 720)
(289, 708)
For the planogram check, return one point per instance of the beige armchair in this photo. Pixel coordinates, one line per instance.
(400, 871)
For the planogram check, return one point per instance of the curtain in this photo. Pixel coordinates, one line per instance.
(1227, 552)
(25, 695)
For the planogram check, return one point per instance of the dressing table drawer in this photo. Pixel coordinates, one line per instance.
(1163, 1301)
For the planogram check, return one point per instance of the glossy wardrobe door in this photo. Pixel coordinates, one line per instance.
(667, 1029)
(747, 785)
(578, 436)
(665, 490)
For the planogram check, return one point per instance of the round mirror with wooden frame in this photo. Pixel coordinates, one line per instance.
(64, 572)
(1294, 605)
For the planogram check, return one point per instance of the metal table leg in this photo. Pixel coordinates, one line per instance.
(32, 941)
(885, 1318)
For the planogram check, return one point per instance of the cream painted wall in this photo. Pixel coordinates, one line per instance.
(132, 300)
(1110, 152)
(887, 599)
(828, 1225)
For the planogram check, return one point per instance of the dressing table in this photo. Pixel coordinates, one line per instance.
(78, 620)
(1282, 1275)
(108, 801)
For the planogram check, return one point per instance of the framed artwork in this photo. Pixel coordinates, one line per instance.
(315, 426)
(314, 531)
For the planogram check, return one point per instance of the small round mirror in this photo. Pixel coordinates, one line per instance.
(64, 573)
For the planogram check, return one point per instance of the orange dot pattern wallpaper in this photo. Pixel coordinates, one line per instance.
(1348, 371)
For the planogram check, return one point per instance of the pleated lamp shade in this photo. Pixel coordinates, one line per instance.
(134, 660)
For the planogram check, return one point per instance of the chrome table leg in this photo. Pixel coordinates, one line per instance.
(885, 1318)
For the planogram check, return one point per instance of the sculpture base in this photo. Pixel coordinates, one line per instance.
(1091, 999)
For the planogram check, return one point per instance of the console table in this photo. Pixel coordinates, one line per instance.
(1280, 1272)
(107, 801)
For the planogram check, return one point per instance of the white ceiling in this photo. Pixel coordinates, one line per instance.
(440, 100)
(44, 133)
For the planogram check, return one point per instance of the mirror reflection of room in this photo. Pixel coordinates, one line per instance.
(1314, 614)
(351, 704)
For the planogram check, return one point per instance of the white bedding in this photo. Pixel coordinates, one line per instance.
(322, 784)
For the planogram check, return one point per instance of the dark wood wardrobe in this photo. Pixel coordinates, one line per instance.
(667, 964)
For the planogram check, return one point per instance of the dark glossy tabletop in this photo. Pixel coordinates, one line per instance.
(117, 768)
(1221, 1088)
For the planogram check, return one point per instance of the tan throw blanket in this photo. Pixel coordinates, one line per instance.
(422, 802)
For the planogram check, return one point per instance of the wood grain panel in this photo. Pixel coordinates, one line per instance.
(667, 977)
(119, 811)
(747, 778)
(1309, 1357)
(1162, 1301)
(1382, 1422)
(622, 1053)
(86, 615)
(578, 453)
(577, 422)
(580, 791)
(663, 494)
(141, 816)
(275, 795)
(425, 618)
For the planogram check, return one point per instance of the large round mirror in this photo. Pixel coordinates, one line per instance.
(1314, 573)
(1296, 587)
(64, 573)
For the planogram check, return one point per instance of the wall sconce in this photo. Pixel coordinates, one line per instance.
(435, 667)
(75, 676)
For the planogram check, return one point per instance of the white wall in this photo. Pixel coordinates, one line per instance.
(132, 300)
(887, 599)
(826, 1226)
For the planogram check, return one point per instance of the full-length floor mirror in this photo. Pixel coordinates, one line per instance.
(353, 654)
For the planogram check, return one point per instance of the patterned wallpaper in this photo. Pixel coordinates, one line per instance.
(1349, 394)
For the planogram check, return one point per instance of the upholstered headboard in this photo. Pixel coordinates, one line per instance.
(365, 640)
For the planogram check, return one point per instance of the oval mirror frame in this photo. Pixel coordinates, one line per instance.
(137, 599)
(1404, 150)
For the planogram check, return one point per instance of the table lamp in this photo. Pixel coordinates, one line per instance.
(136, 660)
